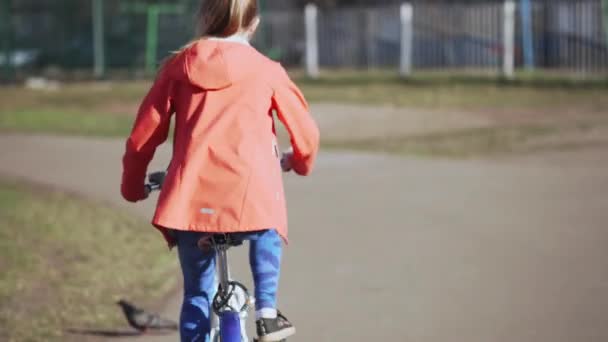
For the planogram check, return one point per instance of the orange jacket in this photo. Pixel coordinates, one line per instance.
(225, 173)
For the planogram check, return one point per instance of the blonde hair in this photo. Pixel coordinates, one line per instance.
(224, 18)
(221, 18)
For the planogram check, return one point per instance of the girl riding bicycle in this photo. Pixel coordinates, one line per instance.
(225, 173)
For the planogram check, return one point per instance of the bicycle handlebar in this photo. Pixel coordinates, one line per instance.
(156, 179)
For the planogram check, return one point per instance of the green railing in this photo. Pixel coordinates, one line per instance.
(153, 13)
(6, 40)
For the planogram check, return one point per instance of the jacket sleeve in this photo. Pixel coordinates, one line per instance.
(293, 111)
(151, 129)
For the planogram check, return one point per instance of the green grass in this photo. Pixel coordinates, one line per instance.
(65, 261)
(66, 123)
(89, 109)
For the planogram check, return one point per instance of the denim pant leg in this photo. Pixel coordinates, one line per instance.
(265, 253)
(198, 269)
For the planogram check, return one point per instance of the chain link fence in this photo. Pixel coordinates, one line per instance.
(566, 34)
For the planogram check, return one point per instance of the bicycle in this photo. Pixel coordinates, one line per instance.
(232, 301)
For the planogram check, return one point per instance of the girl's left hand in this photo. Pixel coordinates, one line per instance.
(134, 194)
(286, 158)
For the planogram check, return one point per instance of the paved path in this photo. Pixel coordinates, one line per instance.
(398, 249)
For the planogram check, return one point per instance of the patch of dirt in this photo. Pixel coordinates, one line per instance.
(564, 128)
(360, 122)
(500, 116)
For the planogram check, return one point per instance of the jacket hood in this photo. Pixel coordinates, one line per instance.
(213, 64)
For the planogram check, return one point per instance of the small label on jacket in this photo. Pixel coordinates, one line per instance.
(207, 211)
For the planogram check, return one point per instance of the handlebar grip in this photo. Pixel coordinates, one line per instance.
(155, 182)
(286, 160)
(157, 178)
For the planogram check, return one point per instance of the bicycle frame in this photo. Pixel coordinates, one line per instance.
(231, 303)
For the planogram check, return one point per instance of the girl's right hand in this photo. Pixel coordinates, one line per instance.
(286, 164)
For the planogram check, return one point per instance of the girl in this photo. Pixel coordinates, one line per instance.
(225, 173)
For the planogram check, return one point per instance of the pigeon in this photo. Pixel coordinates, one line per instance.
(143, 321)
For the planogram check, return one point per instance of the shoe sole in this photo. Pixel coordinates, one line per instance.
(278, 336)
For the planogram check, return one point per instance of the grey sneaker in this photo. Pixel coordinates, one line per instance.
(272, 330)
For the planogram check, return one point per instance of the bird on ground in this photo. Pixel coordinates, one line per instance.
(144, 321)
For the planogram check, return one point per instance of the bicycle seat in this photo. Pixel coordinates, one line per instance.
(211, 241)
(231, 240)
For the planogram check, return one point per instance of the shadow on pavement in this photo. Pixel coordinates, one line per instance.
(118, 333)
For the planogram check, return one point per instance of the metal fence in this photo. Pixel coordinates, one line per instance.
(571, 34)
(566, 34)
(458, 35)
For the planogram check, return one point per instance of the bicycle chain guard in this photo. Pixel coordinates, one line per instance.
(221, 301)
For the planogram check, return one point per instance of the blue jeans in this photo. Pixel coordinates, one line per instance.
(198, 269)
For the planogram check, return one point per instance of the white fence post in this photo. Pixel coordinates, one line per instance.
(407, 34)
(508, 63)
(312, 41)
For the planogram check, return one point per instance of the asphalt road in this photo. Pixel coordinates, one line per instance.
(399, 249)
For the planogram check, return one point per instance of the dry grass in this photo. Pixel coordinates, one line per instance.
(64, 262)
(428, 114)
